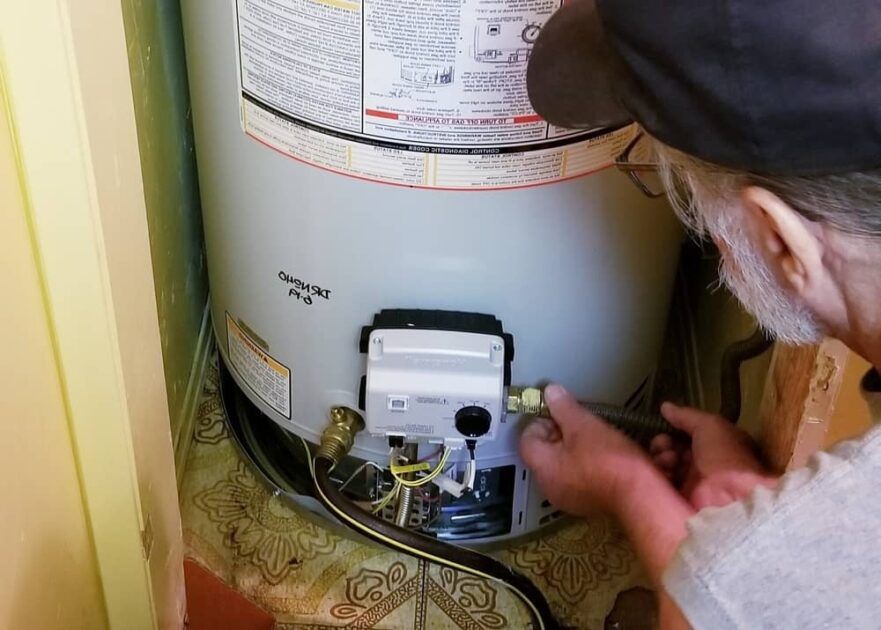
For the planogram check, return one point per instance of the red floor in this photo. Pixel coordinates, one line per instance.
(212, 605)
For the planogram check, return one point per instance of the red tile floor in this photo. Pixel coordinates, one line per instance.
(212, 605)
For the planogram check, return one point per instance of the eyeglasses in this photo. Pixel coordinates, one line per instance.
(640, 162)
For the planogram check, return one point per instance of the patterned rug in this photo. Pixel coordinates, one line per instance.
(311, 573)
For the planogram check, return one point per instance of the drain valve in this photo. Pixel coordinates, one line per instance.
(339, 436)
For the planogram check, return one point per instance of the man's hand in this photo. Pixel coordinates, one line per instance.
(719, 467)
(583, 464)
(580, 462)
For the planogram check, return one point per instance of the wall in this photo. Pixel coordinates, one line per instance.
(706, 322)
(48, 577)
(161, 98)
(851, 415)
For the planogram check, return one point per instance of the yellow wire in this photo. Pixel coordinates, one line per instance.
(308, 456)
(387, 499)
(415, 483)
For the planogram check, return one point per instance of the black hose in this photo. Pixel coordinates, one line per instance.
(426, 547)
(729, 379)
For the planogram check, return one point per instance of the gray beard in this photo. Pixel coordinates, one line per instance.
(747, 276)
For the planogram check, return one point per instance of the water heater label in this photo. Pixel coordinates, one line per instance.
(425, 93)
(269, 379)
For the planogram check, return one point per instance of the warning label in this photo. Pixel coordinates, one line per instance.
(426, 93)
(269, 379)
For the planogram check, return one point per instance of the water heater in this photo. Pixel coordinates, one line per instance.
(390, 228)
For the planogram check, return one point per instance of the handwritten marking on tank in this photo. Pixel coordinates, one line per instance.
(302, 291)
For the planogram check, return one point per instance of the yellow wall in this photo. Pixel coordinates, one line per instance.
(70, 97)
(104, 79)
(48, 574)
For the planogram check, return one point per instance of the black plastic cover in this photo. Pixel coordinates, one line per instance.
(454, 321)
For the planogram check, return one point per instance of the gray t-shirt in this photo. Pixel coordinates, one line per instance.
(804, 555)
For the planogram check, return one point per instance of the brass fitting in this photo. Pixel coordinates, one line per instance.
(339, 436)
(528, 400)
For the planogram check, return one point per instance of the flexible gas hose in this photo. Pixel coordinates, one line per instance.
(642, 427)
(428, 548)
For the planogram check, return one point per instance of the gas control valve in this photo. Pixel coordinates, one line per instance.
(435, 376)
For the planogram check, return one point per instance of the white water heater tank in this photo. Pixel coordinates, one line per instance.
(362, 156)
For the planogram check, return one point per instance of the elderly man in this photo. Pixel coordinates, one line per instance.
(766, 118)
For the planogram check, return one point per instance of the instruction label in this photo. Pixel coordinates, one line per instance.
(424, 93)
(269, 379)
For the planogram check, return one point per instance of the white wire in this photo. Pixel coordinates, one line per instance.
(358, 470)
(308, 456)
(472, 474)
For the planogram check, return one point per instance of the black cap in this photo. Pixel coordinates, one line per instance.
(783, 87)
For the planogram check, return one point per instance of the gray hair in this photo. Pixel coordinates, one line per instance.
(849, 202)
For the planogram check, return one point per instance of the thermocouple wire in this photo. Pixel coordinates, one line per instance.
(421, 481)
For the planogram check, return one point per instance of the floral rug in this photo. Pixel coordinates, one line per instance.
(311, 573)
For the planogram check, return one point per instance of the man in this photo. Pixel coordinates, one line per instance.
(768, 115)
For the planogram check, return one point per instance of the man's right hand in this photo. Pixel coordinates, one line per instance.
(720, 466)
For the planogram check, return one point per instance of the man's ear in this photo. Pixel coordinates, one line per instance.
(793, 250)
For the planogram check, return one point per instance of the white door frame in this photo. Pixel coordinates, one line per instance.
(65, 68)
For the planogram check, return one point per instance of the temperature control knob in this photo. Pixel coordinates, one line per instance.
(473, 422)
